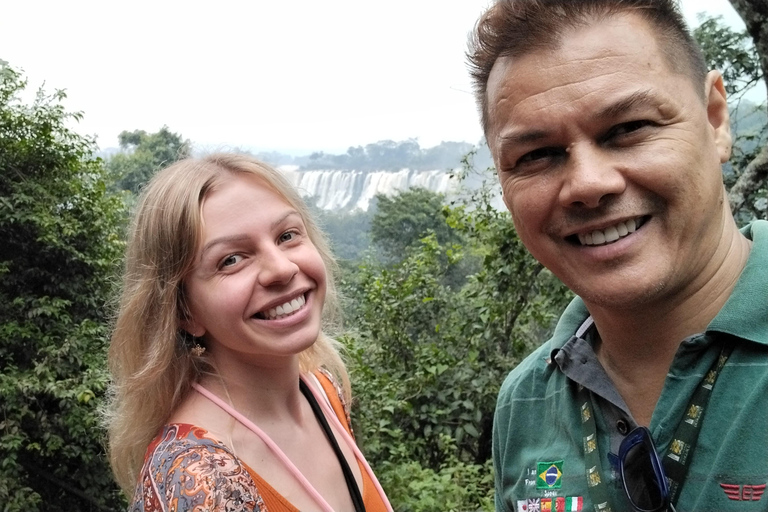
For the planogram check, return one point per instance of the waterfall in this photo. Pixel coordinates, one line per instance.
(352, 190)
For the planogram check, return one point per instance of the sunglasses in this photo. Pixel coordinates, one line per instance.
(643, 474)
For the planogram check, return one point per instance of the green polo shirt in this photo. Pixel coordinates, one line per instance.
(537, 439)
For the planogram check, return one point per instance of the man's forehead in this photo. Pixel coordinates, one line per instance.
(573, 40)
(622, 45)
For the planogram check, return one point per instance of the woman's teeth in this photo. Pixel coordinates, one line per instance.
(610, 234)
(283, 310)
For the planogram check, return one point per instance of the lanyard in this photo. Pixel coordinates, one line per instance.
(677, 458)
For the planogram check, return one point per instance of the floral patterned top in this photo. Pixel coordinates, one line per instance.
(186, 469)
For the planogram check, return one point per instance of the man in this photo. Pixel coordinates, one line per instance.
(608, 135)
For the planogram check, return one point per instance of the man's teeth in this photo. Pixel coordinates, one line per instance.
(610, 234)
(284, 309)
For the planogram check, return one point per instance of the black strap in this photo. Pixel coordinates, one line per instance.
(678, 456)
(354, 491)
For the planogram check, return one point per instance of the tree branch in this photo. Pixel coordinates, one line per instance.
(755, 16)
(750, 180)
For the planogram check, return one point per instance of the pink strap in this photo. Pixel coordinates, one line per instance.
(323, 401)
(272, 446)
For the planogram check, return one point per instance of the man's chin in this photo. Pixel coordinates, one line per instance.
(621, 297)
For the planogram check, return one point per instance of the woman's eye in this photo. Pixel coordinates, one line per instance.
(287, 236)
(232, 259)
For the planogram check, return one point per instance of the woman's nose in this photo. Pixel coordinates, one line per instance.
(277, 268)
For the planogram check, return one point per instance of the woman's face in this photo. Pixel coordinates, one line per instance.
(257, 287)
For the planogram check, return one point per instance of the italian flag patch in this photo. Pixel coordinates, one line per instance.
(573, 504)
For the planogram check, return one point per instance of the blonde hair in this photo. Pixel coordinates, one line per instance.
(149, 355)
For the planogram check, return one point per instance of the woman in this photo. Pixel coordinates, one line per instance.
(224, 385)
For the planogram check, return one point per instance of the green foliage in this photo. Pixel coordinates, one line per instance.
(731, 52)
(61, 244)
(428, 357)
(402, 220)
(143, 154)
(348, 232)
(456, 486)
(734, 54)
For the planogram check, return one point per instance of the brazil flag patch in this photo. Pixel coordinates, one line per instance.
(549, 475)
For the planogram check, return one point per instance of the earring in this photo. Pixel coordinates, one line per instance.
(197, 350)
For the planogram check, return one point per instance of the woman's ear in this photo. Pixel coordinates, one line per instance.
(193, 328)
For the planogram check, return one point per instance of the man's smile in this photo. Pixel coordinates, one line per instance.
(610, 234)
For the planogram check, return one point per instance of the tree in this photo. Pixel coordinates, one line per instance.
(402, 220)
(429, 357)
(734, 54)
(143, 154)
(61, 244)
(753, 178)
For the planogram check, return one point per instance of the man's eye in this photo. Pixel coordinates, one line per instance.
(540, 154)
(232, 259)
(625, 128)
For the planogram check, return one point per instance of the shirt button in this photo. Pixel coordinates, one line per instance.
(622, 427)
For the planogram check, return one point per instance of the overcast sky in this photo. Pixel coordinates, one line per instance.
(294, 76)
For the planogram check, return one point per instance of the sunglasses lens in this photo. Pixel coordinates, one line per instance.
(640, 477)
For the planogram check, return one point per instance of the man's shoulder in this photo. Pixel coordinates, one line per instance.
(756, 229)
(531, 370)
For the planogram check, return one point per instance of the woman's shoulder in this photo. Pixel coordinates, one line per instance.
(187, 469)
(335, 394)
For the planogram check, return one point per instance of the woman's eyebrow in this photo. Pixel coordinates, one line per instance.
(222, 240)
(243, 236)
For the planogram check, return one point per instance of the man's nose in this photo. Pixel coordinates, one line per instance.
(591, 177)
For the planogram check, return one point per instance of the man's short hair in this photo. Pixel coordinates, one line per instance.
(518, 27)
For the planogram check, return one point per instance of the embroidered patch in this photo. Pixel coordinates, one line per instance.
(678, 450)
(549, 475)
(743, 492)
(590, 443)
(709, 380)
(534, 505)
(694, 414)
(585, 413)
(593, 476)
(573, 504)
(557, 504)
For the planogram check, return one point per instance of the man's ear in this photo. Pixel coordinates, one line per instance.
(717, 114)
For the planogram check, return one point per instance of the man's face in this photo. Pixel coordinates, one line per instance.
(610, 162)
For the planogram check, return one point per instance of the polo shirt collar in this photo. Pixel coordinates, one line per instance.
(570, 321)
(745, 313)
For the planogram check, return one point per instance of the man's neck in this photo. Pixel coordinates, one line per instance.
(636, 346)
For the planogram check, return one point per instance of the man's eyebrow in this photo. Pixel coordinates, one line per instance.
(242, 236)
(639, 99)
(633, 101)
(518, 138)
